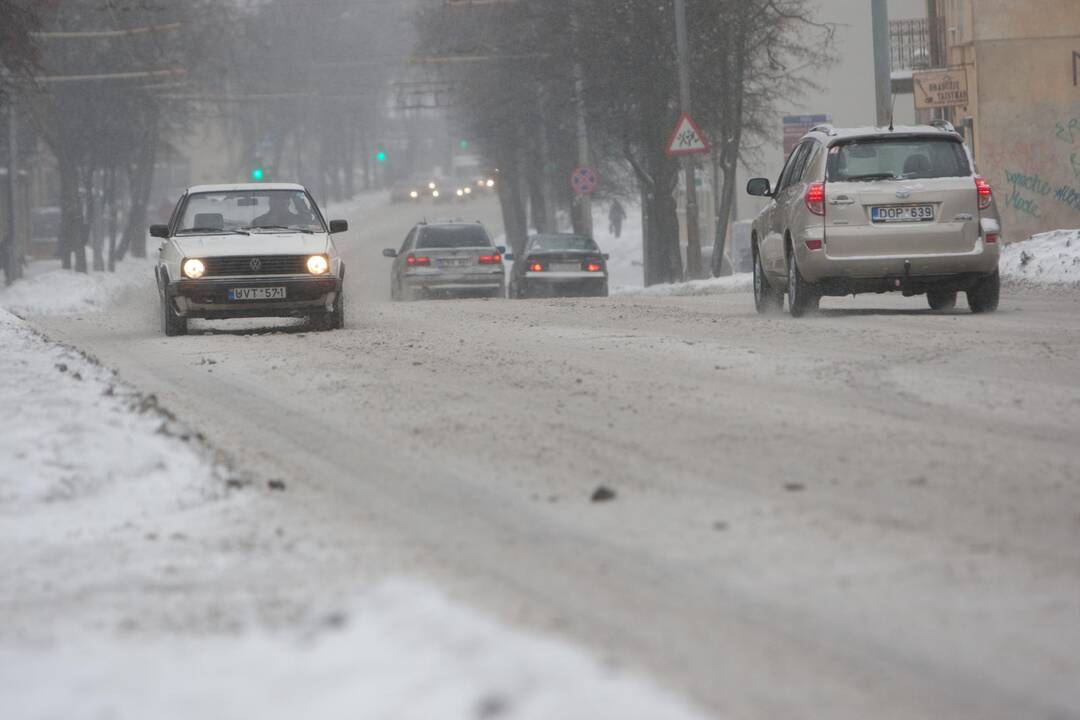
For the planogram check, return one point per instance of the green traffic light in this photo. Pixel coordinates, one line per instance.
(258, 174)
(464, 144)
(381, 156)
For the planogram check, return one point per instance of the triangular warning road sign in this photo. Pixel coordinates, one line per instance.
(687, 138)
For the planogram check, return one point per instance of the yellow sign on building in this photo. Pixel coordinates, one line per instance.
(940, 88)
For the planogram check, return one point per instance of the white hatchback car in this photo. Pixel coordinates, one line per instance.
(251, 250)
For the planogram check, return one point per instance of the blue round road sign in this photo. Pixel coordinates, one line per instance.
(584, 180)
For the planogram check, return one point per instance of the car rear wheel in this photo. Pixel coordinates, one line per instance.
(984, 297)
(171, 323)
(941, 299)
(766, 299)
(803, 296)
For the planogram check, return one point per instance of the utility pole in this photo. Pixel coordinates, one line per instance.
(582, 203)
(12, 259)
(693, 238)
(882, 61)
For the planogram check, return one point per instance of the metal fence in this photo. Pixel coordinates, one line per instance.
(912, 46)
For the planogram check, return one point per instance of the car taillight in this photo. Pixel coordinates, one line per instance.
(986, 193)
(991, 237)
(414, 260)
(594, 267)
(815, 198)
(813, 244)
(491, 259)
(536, 267)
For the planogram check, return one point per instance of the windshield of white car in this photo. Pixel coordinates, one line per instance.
(562, 243)
(265, 211)
(901, 158)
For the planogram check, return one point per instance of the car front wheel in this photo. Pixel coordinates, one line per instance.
(941, 300)
(171, 323)
(766, 299)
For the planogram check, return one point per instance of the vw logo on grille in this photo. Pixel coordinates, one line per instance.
(903, 193)
(256, 264)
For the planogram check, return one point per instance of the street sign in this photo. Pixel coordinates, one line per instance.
(687, 139)
(795, 126)
(584, 180)
(940, 88)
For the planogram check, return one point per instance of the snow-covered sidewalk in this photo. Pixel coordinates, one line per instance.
(133, 565)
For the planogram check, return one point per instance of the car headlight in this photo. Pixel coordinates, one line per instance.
(435, 193)
(414, 194)
(318, 264)
(194, 268)
(468, 191)
(460, 192)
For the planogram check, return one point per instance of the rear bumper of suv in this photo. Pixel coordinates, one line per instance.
(209, 298)
(818, 266)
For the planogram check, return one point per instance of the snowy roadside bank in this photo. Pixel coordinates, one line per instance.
(1048, 259)
(140, 571)
(62, 292)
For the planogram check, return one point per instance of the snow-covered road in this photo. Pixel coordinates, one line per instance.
(874, 512)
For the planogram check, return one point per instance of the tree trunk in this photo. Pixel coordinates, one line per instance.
(70, 210)
(508, 186)
(142, 178)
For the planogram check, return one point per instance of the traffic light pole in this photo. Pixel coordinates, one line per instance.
(882, 62)
(582, 203)
(12, 259)
(693, 228)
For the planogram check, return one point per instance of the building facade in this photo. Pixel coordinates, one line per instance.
(1022, 60)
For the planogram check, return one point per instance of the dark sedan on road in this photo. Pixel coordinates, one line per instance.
(559, 265)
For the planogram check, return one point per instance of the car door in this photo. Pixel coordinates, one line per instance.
(797, 217)
(772, 250)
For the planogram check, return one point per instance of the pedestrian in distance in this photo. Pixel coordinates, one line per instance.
(616, 215)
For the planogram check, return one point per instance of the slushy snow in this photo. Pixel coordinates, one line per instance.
(124, 574)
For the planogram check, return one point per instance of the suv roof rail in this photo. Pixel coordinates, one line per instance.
(826, 128)
(943, 125)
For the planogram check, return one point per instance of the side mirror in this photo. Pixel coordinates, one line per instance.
(159, 231)
(508, 256)
(759, 187)
(607, 256)
(389, 252)
(501, 249)
(338, 226)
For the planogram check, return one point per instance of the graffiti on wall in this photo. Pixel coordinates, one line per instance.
(1040, 173)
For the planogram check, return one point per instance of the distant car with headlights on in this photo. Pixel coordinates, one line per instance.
(447, 259)
(559, 265)
(252, 250)
(406, 191)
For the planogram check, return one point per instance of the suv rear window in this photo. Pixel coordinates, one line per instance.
(456, 236)
(901, 158)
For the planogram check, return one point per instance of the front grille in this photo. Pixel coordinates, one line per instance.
(256, 265)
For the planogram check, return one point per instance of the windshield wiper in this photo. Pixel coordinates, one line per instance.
(215, 231)
(279, 227)
(870, 176)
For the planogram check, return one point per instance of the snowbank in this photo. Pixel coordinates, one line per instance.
(62, 292)
(1051, 258)
(742, 282)
(112, 513)
(404, 652)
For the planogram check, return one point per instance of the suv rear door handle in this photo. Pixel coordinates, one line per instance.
(842, 200)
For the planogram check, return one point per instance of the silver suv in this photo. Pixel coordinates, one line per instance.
(876, 210)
